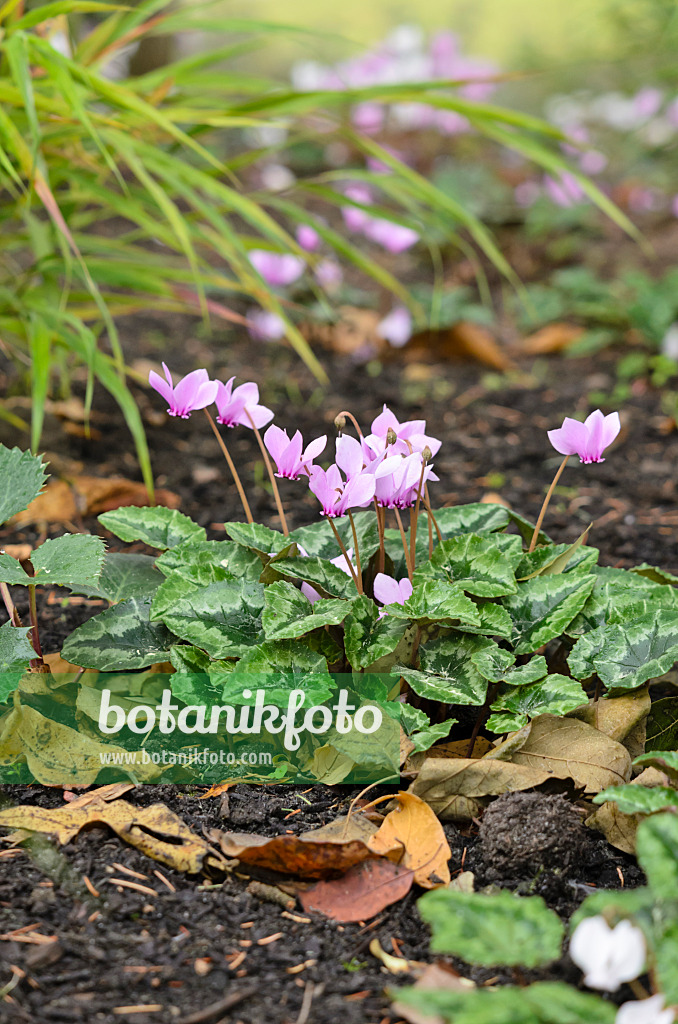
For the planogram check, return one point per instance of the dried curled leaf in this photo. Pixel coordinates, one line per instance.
(155, 830)
(453, 787)
(309, 856)
(414, 827)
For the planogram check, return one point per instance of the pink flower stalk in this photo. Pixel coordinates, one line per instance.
(390, 591)
(338, 496)
(290, 461)
(589, 439)
(396, 328)
(393, 237)
(263, 325)
(368, 117)
(340, 561)
(241, 407)
(647, 102)
(566, 191)
(194, 391)
(279, 269)
(355, 219)
(329, 275)
(308, 238)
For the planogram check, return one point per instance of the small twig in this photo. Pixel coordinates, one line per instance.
(232, 999)
(549, 493)
(271, 475)
(309, 992)
(231, 466)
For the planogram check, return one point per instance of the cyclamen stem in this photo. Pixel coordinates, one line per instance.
(271, 476)
(414, 518)
(432, 518)
(404, 540)
(381, 564)
(9, 605)
(35, 637)
(359, 571)
(349, 563)
(351, 417)
(549, 493)
(231, 466)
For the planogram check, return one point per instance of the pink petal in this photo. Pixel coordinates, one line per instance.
(206, 395)
(570, 439)
(611, 428)
(314, 449)
(349, 455)
(161, 386)
(405, 587)
(260, 415)
(386, 589)
(276, 441)
(187, 389)
(384, 420)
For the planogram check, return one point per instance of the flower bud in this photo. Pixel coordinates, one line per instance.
(340, 422)
(391, 436)
(426, 454)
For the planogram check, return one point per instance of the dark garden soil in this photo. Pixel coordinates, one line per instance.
(193, 954)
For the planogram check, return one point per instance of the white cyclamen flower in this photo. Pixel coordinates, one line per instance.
(608, 956)
(645, 1011)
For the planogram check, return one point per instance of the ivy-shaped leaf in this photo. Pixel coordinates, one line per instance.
(16, 651)
(256, 537)
(452, 668)
(434, 601)
(474, 564)
(159, 527)
(124, 576)
(321, 574)
(318, 540)
(627, 656)
(22, 476)
(209, 561)
(368, 637)
(223, 619)
(544, 607)
(288, 614)
(121, 638)
(554, 695)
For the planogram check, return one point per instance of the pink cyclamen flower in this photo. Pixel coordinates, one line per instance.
(263, 325)
(336, 495)
(412, 431)
(564, 191)
(194, 391)
(278, 269)
(355, 219)
(394, 238)
(290, 461)
(240, 407)
(396, 328)
(589, 439)
(397, 486)
(308, 238)
(390, 591)
(329, 275)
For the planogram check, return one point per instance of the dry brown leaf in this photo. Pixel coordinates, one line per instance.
(472, 341)
(365, 890)
(455, 787)
(217, 789)
(354, 330)
(552, 338)
(357, 826)
(434, 976)
(621, 718)
(618, 828)
(308, 856)
(62, 501)
(569, 749)
(155, 830)
(414, 827)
